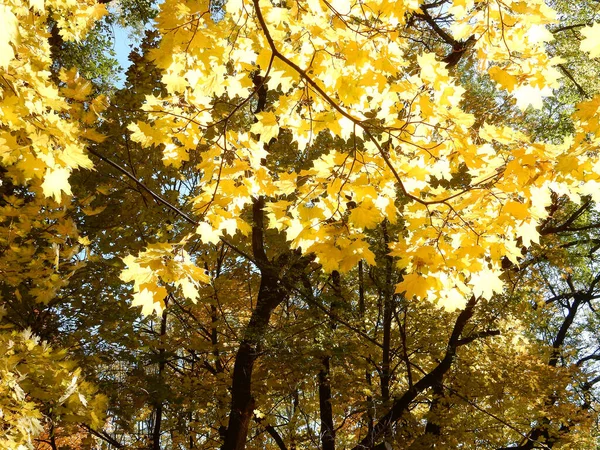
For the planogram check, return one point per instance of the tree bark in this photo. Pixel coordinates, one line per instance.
(325, 405)
(161, 368)
(270, 294)
(325, 408)
(362, 312)
(388, 297)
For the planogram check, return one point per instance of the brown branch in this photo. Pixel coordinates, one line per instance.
(276, 437)
(153, 194)
(238, 251)
(402, 403)
(446, 37)
(459, 48)
(570, 27)
(475, 336)
(568, 74)
(565, 225)
(102, 435)
(311, 300)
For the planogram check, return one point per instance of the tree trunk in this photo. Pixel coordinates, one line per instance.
(270, 294)
(388, 298)
(161, 369)
(325, 408)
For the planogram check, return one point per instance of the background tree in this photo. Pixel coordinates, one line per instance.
(343, 223)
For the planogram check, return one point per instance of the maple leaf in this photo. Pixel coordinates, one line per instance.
(208, 234)
(266, 126)
(56, 181)
(516, 209)
(37, 5)
(413, 285)
(365, 215)
(144, 133)
(503, 78)
(93, 211)
(151, 300)
(486, 283)
(452, 300)
(591, 41)
(84, 240)
(9, 34)
(432, 70)
(174, 82)
(527, 95)
(161, 263)
(527, 230)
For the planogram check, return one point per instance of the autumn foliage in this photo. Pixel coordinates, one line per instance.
(352, 225)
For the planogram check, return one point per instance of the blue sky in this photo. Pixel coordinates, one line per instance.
(122, 46)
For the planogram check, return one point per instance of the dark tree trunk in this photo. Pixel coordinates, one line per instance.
(325, 408)
(362, 311)
(270, 295)
(388, 306)
(161, 368)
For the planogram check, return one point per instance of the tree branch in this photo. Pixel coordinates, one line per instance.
(402, 403)
(568, 74)
(572, 218)
(475, 336)
(153, 194)
(570, 27)
(102, 435)
(458, 47)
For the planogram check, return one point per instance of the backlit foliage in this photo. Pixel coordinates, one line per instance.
(344, 222)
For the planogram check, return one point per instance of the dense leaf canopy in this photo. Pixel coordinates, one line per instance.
(300, 224)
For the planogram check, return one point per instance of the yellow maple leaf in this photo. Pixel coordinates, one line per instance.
(328, 255)
(93, 135)
(150, 299)
(591, 41)
(503, 78)
(517, 210)
(188, 288)
(37, 5)
(56, 181)
(174, 155)
(365, 215)
(208, 234)
(9, 33)
(79, 89)
(135, 272)
(93, 211)
(432, 70)
(528, 232)
(527, 95)
(174, 82)
(486, 282)
(143, 133)
(73, 156)
(84, 240)
(452, 299)
(159, 265)
(267, 126)
(413, 285)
